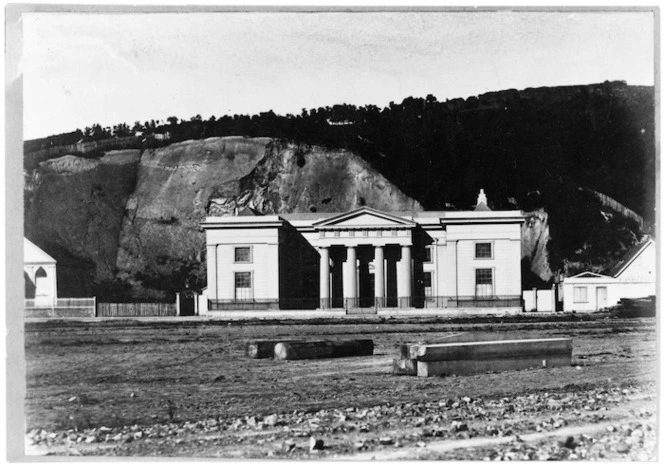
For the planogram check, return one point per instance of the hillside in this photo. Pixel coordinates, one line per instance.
(127, 224)
(542, 150)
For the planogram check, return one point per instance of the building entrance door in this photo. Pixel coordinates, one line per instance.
(187, 306)
(601, 298)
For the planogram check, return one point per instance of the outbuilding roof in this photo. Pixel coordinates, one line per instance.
(33, 254)
(628, 258)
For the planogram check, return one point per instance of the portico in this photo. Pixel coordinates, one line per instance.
(369, 252)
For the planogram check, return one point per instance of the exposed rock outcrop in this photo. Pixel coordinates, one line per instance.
(534, 239)
(134, 218)
(74, 209)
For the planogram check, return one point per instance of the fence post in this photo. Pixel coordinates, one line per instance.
(177, 304)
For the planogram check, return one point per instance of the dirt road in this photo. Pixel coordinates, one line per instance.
(124, 389)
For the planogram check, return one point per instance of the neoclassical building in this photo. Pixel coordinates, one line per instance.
(365, 258)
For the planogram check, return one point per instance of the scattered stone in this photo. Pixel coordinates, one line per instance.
(386, 441)
(316, 444)
(421, 444)
(271, 420)
(622, 447)
(359, 444)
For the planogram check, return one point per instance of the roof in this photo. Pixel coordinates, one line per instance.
(482, 207)
(628, 258)
(363, 213)
(589, 275)
(32, 254)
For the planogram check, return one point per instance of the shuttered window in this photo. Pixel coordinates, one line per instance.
(243, 287)
(428, 288)
(243, 254)
(580, 294)
(427, 254)
(483, 282)
(483, 251)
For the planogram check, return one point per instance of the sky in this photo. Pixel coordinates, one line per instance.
(85, 68)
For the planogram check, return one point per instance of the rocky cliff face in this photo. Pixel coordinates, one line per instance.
(134, 219)
(74, 209)
(534, 239)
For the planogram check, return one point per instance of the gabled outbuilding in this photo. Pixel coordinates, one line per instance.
(633, 276)
(39, 273)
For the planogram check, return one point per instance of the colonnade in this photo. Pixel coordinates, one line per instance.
(350, 285)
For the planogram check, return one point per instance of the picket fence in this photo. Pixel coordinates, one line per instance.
(136, 309)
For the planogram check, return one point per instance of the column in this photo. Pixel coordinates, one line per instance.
(324, 277)
(379, 275)
(212, 271)
(405, 280)
(350, 277)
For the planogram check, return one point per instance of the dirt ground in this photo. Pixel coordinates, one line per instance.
(125, 388)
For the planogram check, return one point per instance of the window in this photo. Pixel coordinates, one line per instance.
(484, 282)
(428, 288)
(483, 251)
(427, 254)
(243, 254)
(580, 294)
(337, 233)
(243, 288)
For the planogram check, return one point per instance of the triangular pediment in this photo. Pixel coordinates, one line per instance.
(590, 275)
(364, 217)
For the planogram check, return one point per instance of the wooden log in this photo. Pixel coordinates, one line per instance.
(323, 349)
(263, 349)
(468, 367)
(410, 350)
(492, 349)
(404, 366)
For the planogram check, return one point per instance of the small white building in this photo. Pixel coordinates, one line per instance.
(634, 276)
(39, 273)
(365, 258)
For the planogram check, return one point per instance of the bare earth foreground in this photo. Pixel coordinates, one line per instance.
(128, 388)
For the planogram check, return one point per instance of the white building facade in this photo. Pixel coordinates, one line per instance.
(365, 258)
(632, 277)
(39, 274)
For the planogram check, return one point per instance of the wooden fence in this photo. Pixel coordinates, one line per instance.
(60, 307)
(136, 309)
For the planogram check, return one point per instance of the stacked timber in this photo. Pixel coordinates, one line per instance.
(472, 357)
(298, 349)
(635, 307)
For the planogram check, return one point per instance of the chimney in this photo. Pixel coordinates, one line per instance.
(481, 198)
